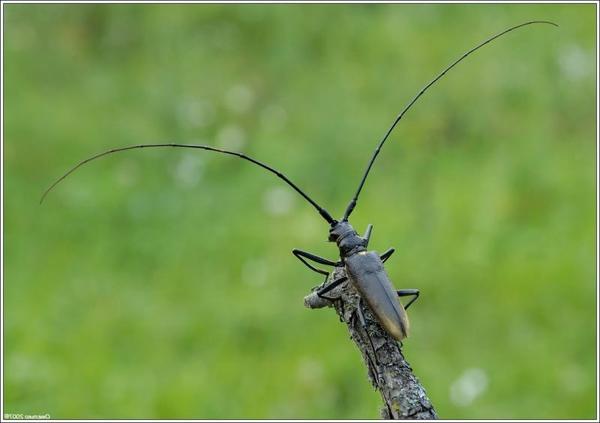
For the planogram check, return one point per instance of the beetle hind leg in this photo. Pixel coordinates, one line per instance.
(409, 293)
(363, 324)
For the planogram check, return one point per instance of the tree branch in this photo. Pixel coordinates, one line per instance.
(402, 394)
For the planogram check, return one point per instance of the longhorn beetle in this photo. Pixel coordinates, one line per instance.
(364, 269)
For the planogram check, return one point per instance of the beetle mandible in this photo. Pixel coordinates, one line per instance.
(364, 269)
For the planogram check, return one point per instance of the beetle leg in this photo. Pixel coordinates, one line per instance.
(363, 324)
(367, 235)
(302, 255)
(361, 316)
(408, 293)
(329, 287)
(387, 254)
(342, 311)
(372, 367)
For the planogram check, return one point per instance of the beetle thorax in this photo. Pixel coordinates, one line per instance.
(347, 239)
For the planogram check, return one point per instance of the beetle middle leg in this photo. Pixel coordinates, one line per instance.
(324, 288)
(367, 237)
(408, 293)
(329, 287)
(387, 254)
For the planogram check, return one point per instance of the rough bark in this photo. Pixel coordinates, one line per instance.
(388, 371)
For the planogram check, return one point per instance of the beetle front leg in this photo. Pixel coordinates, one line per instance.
(387, 254)
(367, 235)
(303, 255)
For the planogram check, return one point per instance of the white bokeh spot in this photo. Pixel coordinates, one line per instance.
(574, 62)
(188, 171)
(239, 98)
(470, 385)
(255, 272)
(231, 137)
(278, 201)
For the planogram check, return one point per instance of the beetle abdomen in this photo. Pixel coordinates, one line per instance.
(367, 274)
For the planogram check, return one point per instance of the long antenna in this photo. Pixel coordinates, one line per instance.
(280, 175)
(352, 203)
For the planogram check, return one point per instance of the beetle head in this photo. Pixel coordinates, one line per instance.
(347, 239)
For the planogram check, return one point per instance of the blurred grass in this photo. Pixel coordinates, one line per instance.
(160, 284)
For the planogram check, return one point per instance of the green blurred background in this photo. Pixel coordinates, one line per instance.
(160, 284)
